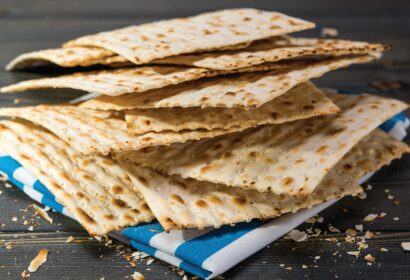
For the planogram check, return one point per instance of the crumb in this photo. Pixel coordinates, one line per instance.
(30, 228)
(368, 235)
(137, 276)
(351, 232)
(14, 219)
(359, 227)
(362, 195)
(25, 274)
(329, 32)
(389, 196)
(40, 259)
(16, 100)
(354, 253)
(317, 257)
(396, 218)
(370, 217)
(369, 187)
(396, 201)
(370, 258)
(304, 266)
(69, 239)
(43, 213)
(405, 246)
(382, 215)
(296, 235)
(384, 249)
(150, 261)
(289, 268)
(333, 229)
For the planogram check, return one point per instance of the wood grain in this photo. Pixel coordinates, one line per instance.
(32, 25)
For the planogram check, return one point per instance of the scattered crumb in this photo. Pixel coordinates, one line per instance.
(362, 195)
(368, 235)
(405, 246)
(25, 274)
(369, 258)
(384, 249)
(329, 32)
(16, 100)
(139, 255)
(42, 213)
(396, 201)
(362, 245)
(317, 257)
(14, 219)
(150, 261)
(282, 265)
(369, 187)
(389, 196)
(333, 229)
(8, 246)
(40, 259)
(354, 253)
(296, 235)
(1, 192)
(69, 239)
(386, 190)
(396, 218)
(289, 268)
(382, 215)
(137, 276)
(351, 232)
(30, 228)
(370, 217)
(304, 266)
(359, 227)
(98, 238)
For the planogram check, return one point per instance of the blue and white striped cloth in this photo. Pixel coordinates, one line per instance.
(205, 253)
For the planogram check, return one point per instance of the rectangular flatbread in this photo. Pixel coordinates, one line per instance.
(272, 50)
(180, 203)
(301, 102)
(290, 158)
(96, 190)
(249, 90)
(100, 132)
(209, 31)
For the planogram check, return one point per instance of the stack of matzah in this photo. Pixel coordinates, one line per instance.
(199, 121)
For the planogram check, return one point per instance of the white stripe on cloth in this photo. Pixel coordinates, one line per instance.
(22, 175)
(169, 242)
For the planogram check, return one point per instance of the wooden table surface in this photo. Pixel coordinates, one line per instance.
(33, 25)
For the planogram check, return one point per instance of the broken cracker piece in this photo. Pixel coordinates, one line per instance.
(40, 259)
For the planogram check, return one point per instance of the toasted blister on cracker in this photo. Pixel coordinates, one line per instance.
(249, 90)
(179, 203)
(274, 49)
(101, 132)
(290, 158)
(96, 190)
(303, 101)
(209, 31)
(66, 57)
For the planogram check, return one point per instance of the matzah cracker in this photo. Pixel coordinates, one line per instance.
(65, 57)
(274, 49)
(374, 151)
(96, 190)
(179, 203)
(290, 158)
(209, 31)
(91, 131)
(249, 90)
(303, 101)
(183, 203)
(77, 56)
(114, 82)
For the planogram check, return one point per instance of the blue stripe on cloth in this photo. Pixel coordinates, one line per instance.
(38, 186)
(9, 165)
(143, 233)
(206, 245)
(198, 271)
